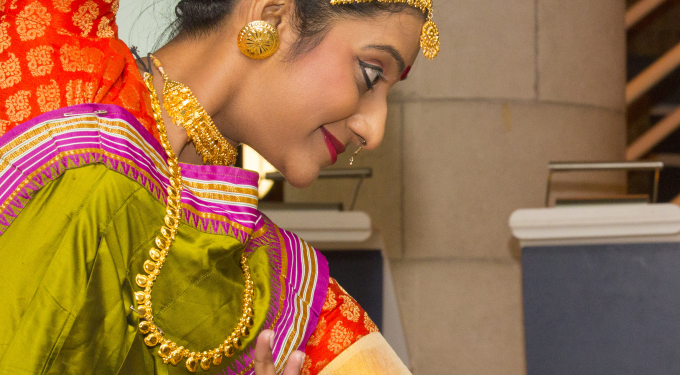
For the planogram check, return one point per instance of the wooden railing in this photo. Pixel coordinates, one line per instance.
(639, 86)
(640, 10)
(654, 74)
(645, 81)
(652, 137)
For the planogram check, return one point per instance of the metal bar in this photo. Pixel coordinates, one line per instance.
(356, 194)
(547, 190)
(638, 11)
(655, 166)
(330, 173)
(605, 166)
(655, 191)
(96, 113)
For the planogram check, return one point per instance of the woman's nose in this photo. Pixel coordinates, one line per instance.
(371, 124)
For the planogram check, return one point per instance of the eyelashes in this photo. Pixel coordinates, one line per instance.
(372, 74)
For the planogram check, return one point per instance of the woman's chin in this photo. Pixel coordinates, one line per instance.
(301, 178)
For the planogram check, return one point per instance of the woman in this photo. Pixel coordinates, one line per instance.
(122, 252)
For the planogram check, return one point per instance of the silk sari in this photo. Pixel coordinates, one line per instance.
(82, 191)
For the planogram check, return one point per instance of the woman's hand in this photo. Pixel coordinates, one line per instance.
(264, 365)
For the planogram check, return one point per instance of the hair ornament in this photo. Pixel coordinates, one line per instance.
(429, 38)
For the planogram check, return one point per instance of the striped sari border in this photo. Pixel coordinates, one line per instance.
(217, 199)
(307, 285)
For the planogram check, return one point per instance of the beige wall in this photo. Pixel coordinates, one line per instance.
(469, 135)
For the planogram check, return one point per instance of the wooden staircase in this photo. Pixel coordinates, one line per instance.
(661, 138)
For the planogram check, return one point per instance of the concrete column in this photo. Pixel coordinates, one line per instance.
(517, 84)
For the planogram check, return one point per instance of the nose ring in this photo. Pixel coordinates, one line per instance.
(351, 159)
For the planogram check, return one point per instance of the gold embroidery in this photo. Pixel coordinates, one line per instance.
(5, 40)
(4, 124)
(74, 59)
(129, 98)
(104, 30)
(10, 72)
(321, 364)
(306, 366)
(330, 301)
(62, 5)
(79, 92)
(2, 5)
(40, 60)
(32, 21)
(17, 106)
(85, 16)
(315, 338)
(349, 309)
(368, 323)
(114, 7)
(48, 97)
(13, 5)
(341, 338)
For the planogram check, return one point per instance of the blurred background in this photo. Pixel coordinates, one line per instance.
(469, 136)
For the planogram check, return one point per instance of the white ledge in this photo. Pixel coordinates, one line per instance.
(595, 223)
(324, 225)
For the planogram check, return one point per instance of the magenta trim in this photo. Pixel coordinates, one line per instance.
(295, 275)
(79, 140)
(323, 278)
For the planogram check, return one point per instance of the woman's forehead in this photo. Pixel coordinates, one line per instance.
(400, 31)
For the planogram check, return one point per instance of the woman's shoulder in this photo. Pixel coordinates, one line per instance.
(86, 18)
(58, 53)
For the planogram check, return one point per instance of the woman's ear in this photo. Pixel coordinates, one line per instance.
(278, 13)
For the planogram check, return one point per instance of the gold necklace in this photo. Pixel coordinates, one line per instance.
(169, 351)
(185, 110)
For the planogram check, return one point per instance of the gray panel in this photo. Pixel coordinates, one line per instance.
(602, 309)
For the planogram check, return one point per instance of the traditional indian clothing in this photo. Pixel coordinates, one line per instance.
(83, 185)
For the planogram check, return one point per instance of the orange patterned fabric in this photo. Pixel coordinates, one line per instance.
(342, 323)
(57, 53)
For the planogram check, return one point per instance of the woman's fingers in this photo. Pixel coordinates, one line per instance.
(294, 365)
(264, 364)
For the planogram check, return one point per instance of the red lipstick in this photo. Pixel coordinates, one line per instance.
(335, 147)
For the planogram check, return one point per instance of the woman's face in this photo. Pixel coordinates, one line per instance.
(292, 112)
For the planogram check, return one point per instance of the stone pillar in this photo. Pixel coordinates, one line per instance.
(516, 85)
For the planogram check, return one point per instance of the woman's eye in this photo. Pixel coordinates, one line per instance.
(371, 73)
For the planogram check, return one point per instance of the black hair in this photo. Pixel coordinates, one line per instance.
(311, 18)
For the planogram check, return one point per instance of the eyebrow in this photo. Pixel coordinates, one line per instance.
(392, 51)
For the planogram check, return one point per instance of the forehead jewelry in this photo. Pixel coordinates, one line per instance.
(429, 37)
(351, 159)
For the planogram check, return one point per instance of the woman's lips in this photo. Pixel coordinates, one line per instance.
(335, 147)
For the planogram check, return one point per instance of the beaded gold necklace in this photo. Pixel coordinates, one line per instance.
(169, 351)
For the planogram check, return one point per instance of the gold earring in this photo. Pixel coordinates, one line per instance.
(351, 159)
(186, 111)
(258, 40)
